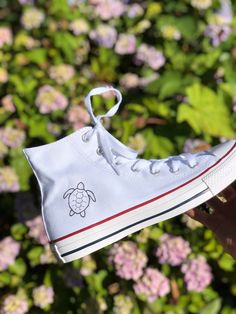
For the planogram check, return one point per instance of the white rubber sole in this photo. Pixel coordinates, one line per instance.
(189, 196)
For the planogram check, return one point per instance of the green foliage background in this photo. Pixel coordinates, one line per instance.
(185, 102)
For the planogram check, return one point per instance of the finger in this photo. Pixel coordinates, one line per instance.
(229, 193)
(200, 216)
(216, 204)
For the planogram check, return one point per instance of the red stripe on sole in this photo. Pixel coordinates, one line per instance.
(144, 203)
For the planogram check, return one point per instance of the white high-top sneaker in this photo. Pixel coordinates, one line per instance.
(95, 191)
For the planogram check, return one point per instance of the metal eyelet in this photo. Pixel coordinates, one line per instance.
(171, 170)
(153, 172)
(84, 139)
(132, 167)
(197, 163)
(99, 150)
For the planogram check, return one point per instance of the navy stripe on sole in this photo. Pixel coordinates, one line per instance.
(135, 223)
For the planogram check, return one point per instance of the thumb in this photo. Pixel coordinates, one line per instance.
(200, 216)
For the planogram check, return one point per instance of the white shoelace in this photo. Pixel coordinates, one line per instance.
(117, 153)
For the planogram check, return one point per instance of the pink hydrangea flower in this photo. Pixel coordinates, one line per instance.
(104, 35)
(12, 137)
(9, 181)
(128, 259)
(107, 9)
(129, 80)
(172, 250)
(9, 249)
(49, 99)
(36, 230)
(78, 117)
(149, 55)
(197, 274)
(7, 103)
(79, 26)
(126, 44)
(14, 304)
(43, 296)
(134, 10)
(152, 284)
(32, 18)
(61, 73)
(3, 75)
(5, 36)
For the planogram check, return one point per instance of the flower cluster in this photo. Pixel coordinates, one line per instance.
(9, 181)
(172, 250)
(152, 284)
(43, 296)
(12, 137)
(197, 273)
(49, 99)
(36, 230)
(14, 304)
(9, 249)
(128, 260)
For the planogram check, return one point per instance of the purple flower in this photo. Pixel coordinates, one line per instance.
(12, 137)
(152, 284)
(134, 10)
(104, 35)
(234, 104)
(14, 304)
(36, 230)
(172, 250)
(49, 99)
(128, 260)
(195, 145)
(149, 55)
(197, 274)
(217, 33)
(219, 28)
(107, 9)
(43, 296)
(9, 181)
(23, 2)
(126, 44)
(9, 249)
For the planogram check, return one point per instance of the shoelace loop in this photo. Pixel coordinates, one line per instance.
(108, 144)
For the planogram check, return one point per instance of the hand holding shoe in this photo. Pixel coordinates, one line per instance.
(223, 219)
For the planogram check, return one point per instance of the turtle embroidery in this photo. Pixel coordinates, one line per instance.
(79, 199)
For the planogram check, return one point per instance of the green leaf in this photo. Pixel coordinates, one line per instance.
(19, 267)
(226, 262)
(18, 231)
(37, 56)
(21, 166)
(206, 112)
(38, 128)
(34, 255)
(212, 307)
(5, 278)
(67, 43)
(155, 233)
(156, 107)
